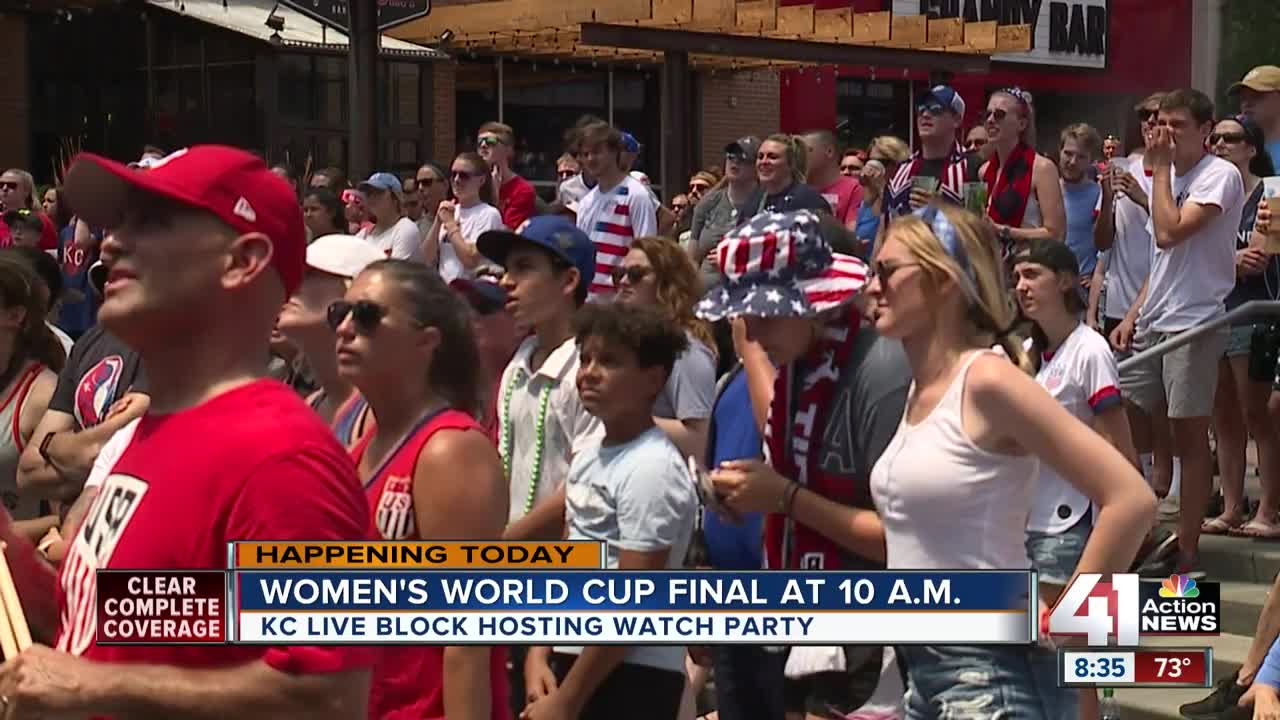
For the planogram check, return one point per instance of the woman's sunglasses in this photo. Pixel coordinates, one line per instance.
(997, 114)
(566, 174)
(7, 185)
(1228, 138)
(633, 274)
(365, 314)
(698, 188)
(974, 144)
(462, 175)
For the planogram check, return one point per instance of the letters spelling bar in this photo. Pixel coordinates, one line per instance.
(403, 555)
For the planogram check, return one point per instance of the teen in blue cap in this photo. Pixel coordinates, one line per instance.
(396, 236)
(548, 265)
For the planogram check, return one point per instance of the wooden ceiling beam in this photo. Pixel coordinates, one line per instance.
(754, 16)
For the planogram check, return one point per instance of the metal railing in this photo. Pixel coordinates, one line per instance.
(1250, 309)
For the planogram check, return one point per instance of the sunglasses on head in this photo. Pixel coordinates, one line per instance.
(365, 314)
(632, 274)
(1228, 138)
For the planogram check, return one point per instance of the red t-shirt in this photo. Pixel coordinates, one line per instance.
(517, 202)
(408, 680)
(254, 463)
(845, 197)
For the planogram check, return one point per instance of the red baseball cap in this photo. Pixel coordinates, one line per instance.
(234, 185)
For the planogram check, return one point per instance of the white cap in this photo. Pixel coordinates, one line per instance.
(342, 255)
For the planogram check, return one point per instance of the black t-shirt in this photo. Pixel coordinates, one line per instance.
(1253, 287)
(100, 370)
(797, 196)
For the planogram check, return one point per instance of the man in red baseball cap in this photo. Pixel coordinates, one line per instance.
(205, 247)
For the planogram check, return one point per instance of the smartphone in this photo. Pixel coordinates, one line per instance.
(925, 183)
(707, 489)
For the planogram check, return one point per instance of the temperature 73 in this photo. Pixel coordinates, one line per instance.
(1171, 667)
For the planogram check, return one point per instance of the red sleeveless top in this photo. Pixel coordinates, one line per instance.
(408, 680)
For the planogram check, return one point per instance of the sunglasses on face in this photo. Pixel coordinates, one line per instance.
(996, 113)
(7, 185)
(365, 314)
(975, 144)
(1228, 138)
(633, 274)
(736, 157)
(698, 188)
(462, 175)
(883, 271)
(566, 174)
(933, 108)
(488, 141)
(426, 182)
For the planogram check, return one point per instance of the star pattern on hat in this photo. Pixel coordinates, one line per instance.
(773, 296)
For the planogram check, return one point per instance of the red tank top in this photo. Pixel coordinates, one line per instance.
(408, 681)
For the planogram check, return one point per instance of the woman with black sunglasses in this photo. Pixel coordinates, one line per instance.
(430, 473)
(1024, 191)
(1240, 402)
(657, 271)
(450, 244)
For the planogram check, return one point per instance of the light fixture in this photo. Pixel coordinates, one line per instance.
(446, 37)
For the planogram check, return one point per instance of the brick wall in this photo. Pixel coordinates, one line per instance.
(15, 130)
(444, 116)
(736, 104)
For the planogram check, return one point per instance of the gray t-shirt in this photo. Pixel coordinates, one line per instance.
(869, 402)
(635, 496)
(691, 388)
(712, 218)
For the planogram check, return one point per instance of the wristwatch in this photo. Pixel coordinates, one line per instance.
(44, 447)
(1006, 233)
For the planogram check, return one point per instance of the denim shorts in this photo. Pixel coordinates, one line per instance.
(1054, 555)
(1240, 340)
(986, 683)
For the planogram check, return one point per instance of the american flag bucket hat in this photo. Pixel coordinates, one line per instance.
(779, 265)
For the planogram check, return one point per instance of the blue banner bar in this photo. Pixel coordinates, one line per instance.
(542, 591)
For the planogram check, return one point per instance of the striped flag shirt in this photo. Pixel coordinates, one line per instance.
(613, 219)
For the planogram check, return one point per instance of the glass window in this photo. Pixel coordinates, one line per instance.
(294, 86)
(401, 97)
(866, 109)
(231, 97)
(331, 90)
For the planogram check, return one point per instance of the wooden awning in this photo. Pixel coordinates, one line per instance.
(716, 33)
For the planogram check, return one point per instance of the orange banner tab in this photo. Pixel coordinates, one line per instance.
(400, 555)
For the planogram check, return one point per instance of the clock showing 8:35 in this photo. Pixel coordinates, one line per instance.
(1096, 668)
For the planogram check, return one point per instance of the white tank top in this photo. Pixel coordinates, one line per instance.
(945, 502)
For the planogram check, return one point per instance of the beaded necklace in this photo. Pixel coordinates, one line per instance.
(539, 434)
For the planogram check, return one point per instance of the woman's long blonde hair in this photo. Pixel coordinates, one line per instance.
(966, 253)
(796, 153)
(679, 288)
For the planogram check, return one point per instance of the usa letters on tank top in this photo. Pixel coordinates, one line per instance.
(395, 509)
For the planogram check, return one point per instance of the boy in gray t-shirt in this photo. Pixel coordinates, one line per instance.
(634, 493)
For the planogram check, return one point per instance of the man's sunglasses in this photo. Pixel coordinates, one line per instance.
(698, 188)
(633, 274)
(933, 108)
(1228, 138)
(488, 141)
(366, 315)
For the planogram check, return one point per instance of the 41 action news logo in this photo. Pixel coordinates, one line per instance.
(1127, 607)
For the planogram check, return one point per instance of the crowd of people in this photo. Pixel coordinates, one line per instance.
(882, 357)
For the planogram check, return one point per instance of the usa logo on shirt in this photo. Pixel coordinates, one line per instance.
(91, 550)
(97, 390)
(395, 509)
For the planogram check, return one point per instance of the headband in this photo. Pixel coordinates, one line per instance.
(947, 236)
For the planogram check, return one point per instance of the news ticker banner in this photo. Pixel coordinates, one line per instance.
(544, 593)
(1136, 667)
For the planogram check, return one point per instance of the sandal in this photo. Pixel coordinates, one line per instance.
(1258, 529)
(1220, 526)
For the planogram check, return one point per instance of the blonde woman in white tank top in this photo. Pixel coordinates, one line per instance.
(953, 489)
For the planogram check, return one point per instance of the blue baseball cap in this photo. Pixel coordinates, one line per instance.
(629, 143)
(946, 96)
(382, 181)
(554, 233)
